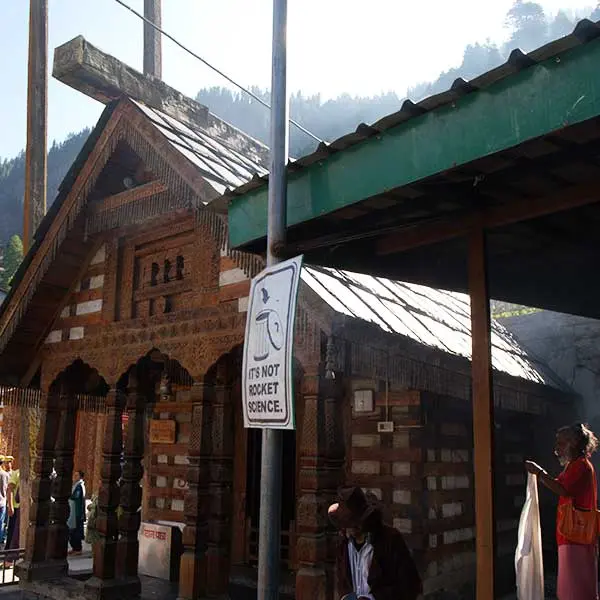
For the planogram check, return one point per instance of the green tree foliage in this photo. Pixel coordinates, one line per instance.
(528, 24)
(13, 255)
(12, 181)
(561, 25)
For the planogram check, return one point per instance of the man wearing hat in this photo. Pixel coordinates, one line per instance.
(373, 561)
(3, 492)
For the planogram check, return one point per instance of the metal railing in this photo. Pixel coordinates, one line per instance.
(8, 558)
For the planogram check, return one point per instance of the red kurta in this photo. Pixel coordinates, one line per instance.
(578, 481)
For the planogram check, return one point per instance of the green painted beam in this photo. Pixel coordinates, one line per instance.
(551, 95)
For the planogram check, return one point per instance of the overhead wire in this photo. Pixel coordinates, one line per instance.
(217, 70)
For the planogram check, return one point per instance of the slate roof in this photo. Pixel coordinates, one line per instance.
(436, 318)
(221, 161)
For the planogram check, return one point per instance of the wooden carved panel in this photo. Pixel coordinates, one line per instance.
(156, 272)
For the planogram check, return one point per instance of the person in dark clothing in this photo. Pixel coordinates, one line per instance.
(77, 513)
(373, 561)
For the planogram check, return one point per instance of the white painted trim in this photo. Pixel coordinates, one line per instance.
(232, 276)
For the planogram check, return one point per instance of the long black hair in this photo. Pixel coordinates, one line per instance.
(583, 440)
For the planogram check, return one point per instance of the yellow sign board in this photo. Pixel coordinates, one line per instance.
(162, 431)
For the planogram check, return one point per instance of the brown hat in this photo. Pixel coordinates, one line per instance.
(352, 508)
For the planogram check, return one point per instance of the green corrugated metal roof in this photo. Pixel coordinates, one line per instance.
(529, 96)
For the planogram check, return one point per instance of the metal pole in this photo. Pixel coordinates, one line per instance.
(270, 495)
(34, 202)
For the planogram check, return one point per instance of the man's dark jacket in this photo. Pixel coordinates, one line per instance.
(393, 574)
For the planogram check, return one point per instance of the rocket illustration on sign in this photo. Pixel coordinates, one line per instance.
(270, 334)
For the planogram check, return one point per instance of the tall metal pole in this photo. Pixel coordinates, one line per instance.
(34, 203)
(152, 41)
(272, 447)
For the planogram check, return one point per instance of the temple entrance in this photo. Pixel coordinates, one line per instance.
(246, 498)
(156, 428)
(288, 496)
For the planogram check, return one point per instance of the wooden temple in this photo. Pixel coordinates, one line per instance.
(126, 322)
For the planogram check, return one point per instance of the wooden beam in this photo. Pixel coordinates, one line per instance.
(84, 67)
(34, 203)
(483, 413)
(152, 39)
(498, 216)
(140, 192)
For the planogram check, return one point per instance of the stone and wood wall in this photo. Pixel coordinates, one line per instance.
(422, 471)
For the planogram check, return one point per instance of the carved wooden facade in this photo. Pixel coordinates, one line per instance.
(145, 304)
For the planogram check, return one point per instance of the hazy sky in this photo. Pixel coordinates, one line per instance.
(334, 46)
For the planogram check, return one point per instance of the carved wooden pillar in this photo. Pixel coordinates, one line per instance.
(103, 583)
(62, 485)
(131, 491)
(220, 475)
(36, 566)
(320, 475)
(192, 577)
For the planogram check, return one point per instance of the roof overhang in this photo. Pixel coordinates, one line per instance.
(518, 147)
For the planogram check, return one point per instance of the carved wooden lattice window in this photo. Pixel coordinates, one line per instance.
(167, 271)
(180, 267)
(154, 274)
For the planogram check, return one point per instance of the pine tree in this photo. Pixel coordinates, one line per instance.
(561, 25)
(528, 24)
(13, 255)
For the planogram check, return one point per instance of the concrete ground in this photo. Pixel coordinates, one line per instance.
(152, 589)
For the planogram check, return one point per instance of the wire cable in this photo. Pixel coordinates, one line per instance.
(240, 87)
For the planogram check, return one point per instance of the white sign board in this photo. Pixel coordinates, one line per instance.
(155, 550)
(267, 371)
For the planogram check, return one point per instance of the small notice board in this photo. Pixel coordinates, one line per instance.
(267, 371)
(163, 431)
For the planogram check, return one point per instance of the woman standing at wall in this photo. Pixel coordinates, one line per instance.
(577, 490)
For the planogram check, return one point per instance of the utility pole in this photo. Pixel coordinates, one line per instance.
(34, 204)
(269, 538)
(152, 40)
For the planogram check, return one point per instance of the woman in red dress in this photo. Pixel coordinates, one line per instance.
(577, 563)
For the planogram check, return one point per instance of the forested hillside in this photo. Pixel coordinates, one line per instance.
(529, 28)
(12, 181)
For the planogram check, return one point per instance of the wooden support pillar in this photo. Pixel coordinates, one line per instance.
(62, 485)
(483, 414)
(131, 491)
(220, 485)
(104, 584)
(35, 566)
(34, 206)
(192, 575)
(320, 474)
(152, 40)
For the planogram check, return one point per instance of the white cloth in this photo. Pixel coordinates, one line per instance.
(529, 564)
(360, 564)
